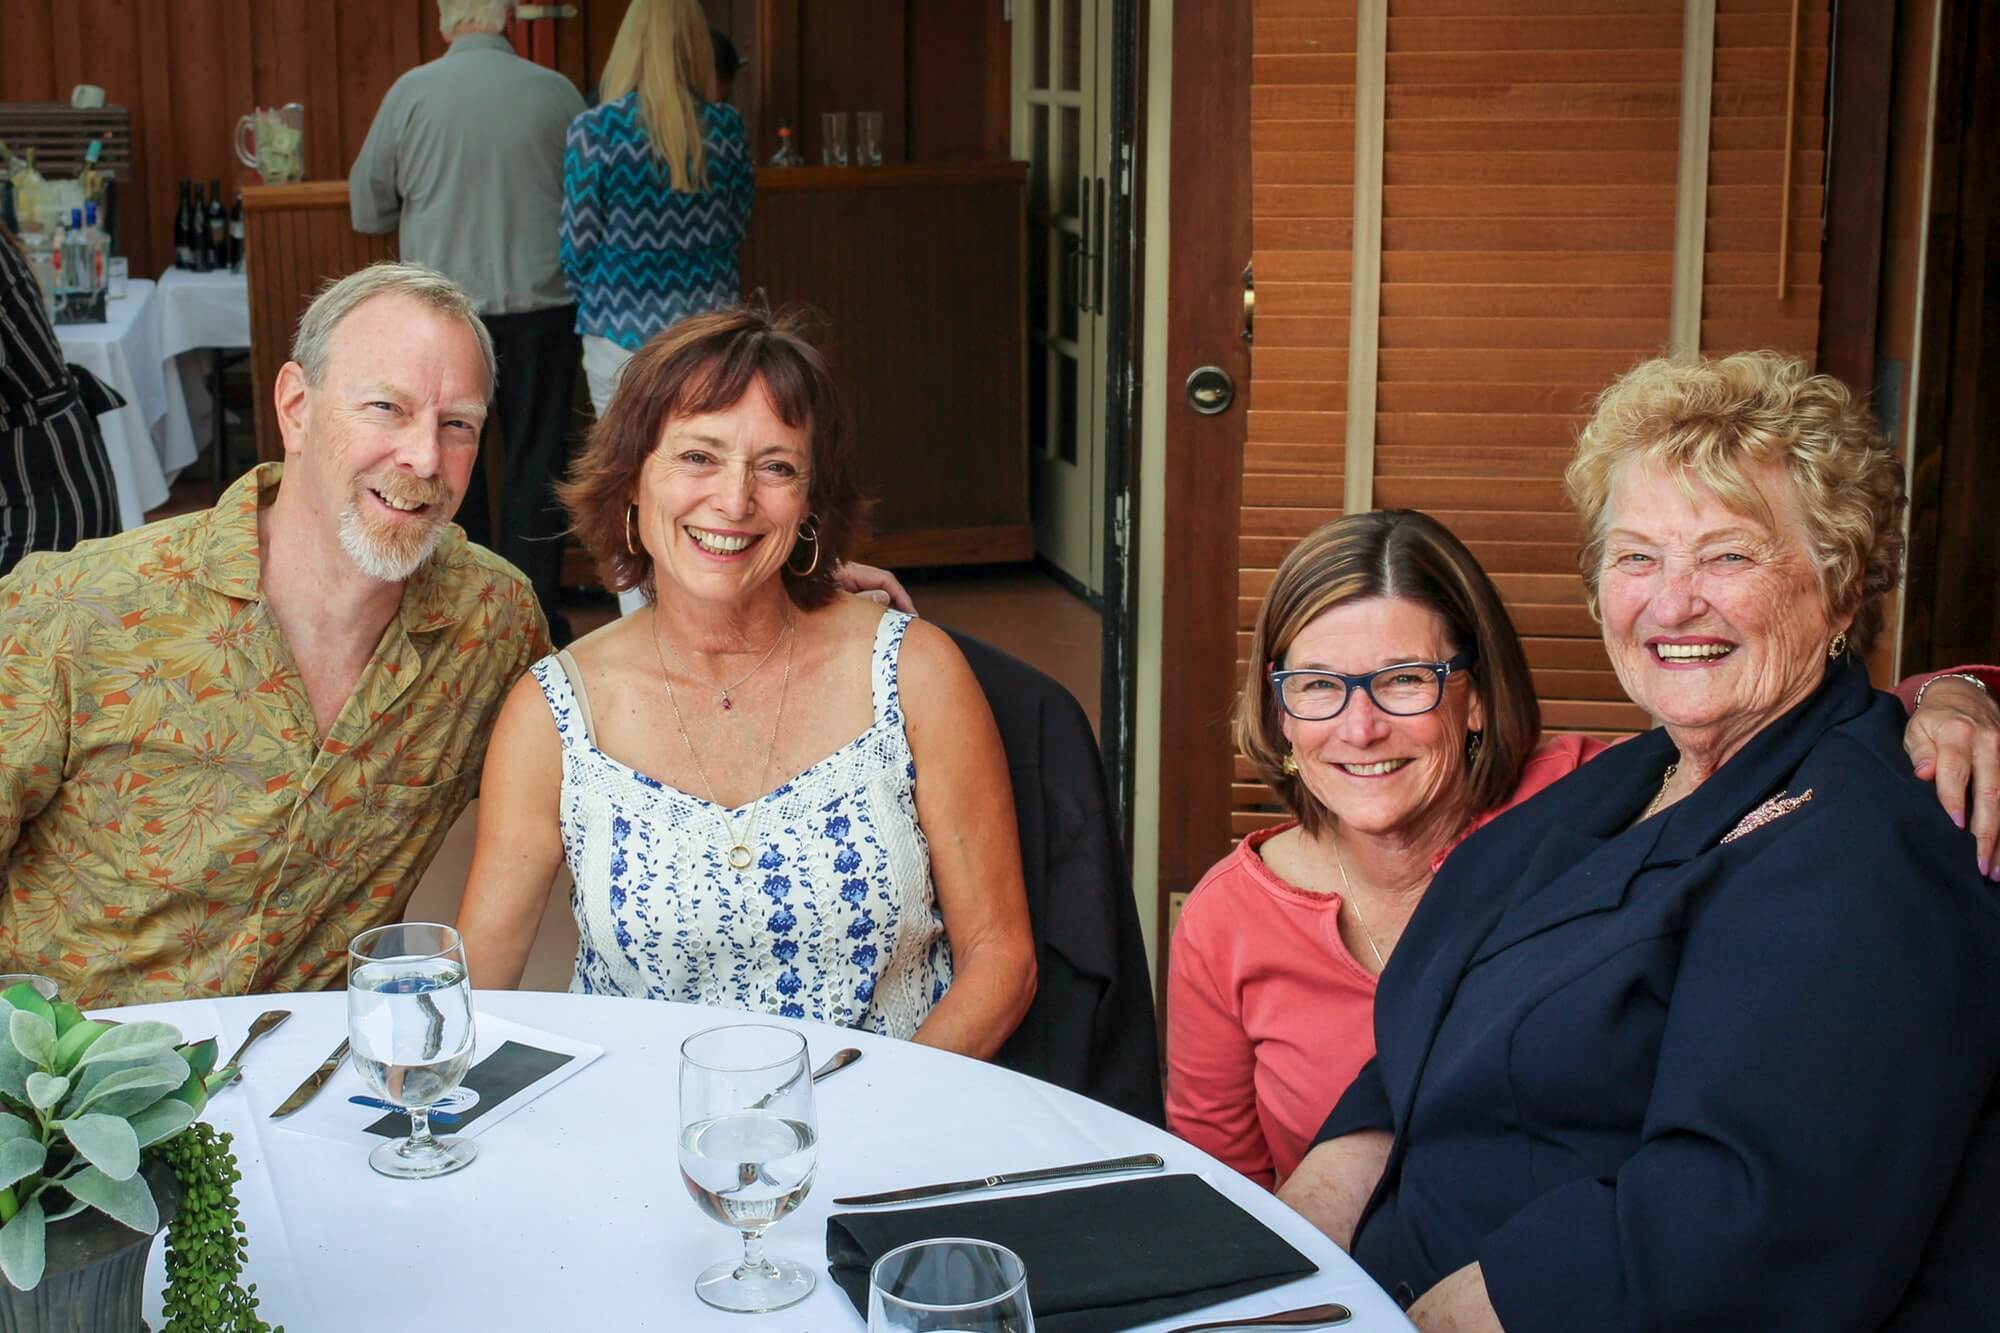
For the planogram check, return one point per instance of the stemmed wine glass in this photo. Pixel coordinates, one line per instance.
(949, 1286)
(409, 1026)
(748, 1150)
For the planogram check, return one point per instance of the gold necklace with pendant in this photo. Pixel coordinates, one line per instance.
(738, 853)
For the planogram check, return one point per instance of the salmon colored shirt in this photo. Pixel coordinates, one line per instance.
(1268, 1015)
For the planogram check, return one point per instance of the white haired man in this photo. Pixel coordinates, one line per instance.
(234, 739)
(464, 163)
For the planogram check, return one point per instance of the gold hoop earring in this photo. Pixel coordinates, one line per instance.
(1838, 646)
(631, 512)
(811, 538)
(1290, 764)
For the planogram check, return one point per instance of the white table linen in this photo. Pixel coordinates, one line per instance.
(199, 310)
(574, 1215)
(149, 440)
(200, 313)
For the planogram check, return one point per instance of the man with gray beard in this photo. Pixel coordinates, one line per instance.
(234, 739)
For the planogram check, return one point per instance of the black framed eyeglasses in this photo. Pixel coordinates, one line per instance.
(1403, 690)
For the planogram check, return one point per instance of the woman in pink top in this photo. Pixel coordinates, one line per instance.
(1389, 705)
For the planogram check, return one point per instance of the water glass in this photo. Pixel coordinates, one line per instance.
(949, 1286)
(43, 986)
(409, 1025)
(749, 1146)
(833, 139)
(868, 138)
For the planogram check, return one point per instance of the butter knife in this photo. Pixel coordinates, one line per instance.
(314, 1081)
(1145, 1161)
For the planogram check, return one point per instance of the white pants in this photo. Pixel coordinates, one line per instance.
(603, 366)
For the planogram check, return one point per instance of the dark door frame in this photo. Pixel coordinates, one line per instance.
(1209, 198)
(1124, 246)
(1950, 609)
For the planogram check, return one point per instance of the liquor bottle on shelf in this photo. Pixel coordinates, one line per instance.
(218, 227)
(788, 154)
(184, 228)
(236, 235)
(96, 246)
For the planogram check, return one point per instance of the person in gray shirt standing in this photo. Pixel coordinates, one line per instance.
(464, 163)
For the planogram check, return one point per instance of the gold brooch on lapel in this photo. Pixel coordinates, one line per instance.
(1775, 808)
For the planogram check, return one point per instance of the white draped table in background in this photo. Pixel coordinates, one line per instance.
(574, 1215)
(203, 316)
(149, 439)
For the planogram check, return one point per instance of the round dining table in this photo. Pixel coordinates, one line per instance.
(574, 1216)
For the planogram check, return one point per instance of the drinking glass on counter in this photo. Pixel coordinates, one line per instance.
(868, 138)
(409, 1025)
(833, 139)
(949, 1286)
(748, 1148)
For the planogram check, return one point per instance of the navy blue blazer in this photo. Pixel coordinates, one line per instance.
(1650, 1079)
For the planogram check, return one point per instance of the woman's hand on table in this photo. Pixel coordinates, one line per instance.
(1954, 741)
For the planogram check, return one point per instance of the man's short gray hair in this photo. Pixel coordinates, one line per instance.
(484, 15)
(313, 343)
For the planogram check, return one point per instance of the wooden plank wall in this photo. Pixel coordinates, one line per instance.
(295, 237)
(1531, 152)
(1302, 237)
(1746, 158)
(186, 69)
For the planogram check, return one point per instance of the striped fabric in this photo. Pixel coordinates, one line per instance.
(56, 487)
(637, 254)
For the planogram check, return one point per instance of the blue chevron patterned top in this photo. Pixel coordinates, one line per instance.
(638, 255)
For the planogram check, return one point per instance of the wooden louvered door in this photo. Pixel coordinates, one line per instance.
(1466, 217)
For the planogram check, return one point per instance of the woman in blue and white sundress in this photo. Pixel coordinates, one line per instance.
(771, 796)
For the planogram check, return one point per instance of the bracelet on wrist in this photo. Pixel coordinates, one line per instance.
(1965, 676)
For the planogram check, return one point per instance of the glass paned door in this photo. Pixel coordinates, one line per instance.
(1062, 83)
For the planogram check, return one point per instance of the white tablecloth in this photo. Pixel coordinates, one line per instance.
(574, 1215)
(149, 439)
(200, 310)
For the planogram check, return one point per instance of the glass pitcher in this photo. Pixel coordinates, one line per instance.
(279, 137)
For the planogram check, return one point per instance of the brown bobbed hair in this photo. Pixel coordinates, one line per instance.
(1409, 555)
(706, 363)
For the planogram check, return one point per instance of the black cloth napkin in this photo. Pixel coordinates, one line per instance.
(1099, 1258)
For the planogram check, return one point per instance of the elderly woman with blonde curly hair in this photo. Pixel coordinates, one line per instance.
(1701, 1036)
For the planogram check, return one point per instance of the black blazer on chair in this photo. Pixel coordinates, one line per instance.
(1710, 1071)
(1091, 1027)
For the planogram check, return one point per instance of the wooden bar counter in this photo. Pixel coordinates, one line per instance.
(912, 277)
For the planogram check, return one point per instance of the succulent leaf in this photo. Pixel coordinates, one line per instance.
(22, 1256)
(107, 1142)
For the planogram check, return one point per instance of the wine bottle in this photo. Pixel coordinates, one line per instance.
(218, 227)
(184, 229)
(198, 229)
(236, 235)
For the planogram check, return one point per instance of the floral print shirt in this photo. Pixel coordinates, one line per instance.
(171, 824)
